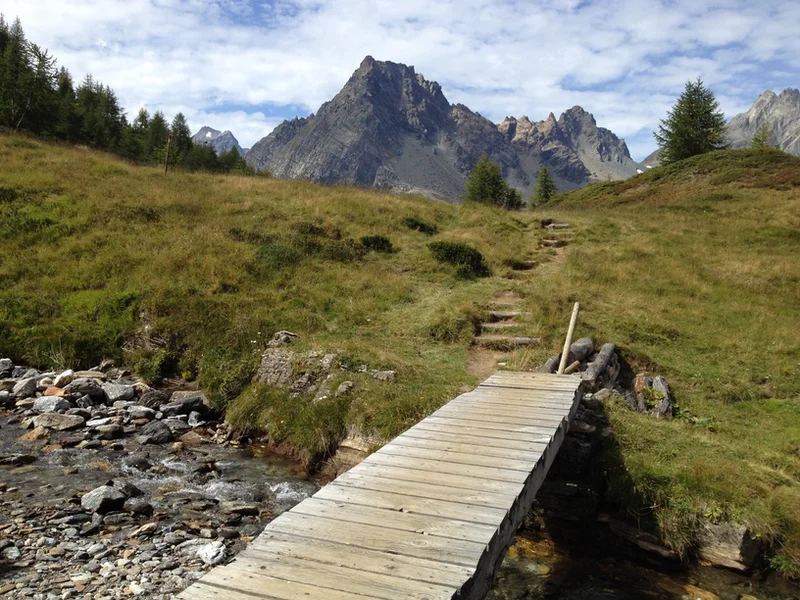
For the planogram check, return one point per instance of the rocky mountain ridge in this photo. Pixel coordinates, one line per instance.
(779, 112)
(391, 128)
(220, 141)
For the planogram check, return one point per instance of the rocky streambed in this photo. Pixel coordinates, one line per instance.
(111, 489)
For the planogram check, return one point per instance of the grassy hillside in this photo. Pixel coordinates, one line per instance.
(691, 269)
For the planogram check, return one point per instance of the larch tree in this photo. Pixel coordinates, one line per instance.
(546, 187)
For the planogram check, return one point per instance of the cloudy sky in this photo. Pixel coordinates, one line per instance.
(246, 65)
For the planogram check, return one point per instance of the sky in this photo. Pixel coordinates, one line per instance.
(246, 65)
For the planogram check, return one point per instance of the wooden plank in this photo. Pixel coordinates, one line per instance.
(439, 467)
(361, 558)
(429, 425)
(266, 588)
(412, 504)
(505, 428)
(364, 480)
(508, 409)
(478, 441)
(539, 418)
(431, 547)
(402, 521)
(530, 395)
(470, 458)
(496, 486)
(524, 399)
(249, 566)
(463, 447)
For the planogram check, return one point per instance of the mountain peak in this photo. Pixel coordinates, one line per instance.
(221, 141)
(780, 114)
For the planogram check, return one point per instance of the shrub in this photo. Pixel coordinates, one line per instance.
(457, 326)
(377, 243)
(468, 260)
(421, 226)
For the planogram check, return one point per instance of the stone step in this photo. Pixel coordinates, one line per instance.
(503, 315)
(559, 226)
(506, 341)
(554, 243)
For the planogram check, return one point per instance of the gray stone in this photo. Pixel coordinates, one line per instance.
(99, 422)
(183, 403)
(176, 425)
(58, 421)
(64, 378)
(345, 388)
(728, 545)
(103, 500)
(212, 554)
(277, 367)
(580, 350)
(138, 506)
(283, 338)
(11, 553)
(116, 392)
(141, 412)
(195, 420)
(51, 404)
(385, 375)
(25, 388)
(153, 399)
(85, 386)
(6, 367)
(155, 432)
(239, 508)
(110, 431)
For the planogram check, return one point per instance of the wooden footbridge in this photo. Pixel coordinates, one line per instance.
(427, 517)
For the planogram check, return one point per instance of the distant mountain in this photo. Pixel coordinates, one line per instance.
(779, 112)
(391, 128)
(221, 141)
(653, 160)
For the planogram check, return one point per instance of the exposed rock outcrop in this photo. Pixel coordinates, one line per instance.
(781, 115)
(220, 141)
(391, 128)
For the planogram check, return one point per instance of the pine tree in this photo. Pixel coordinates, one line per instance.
(762, 138)
(158, 132)
(546, 187)
(15, 77)
(3, 34)
(181, 137)
(694, 126)
(486, 183)
(513, 199)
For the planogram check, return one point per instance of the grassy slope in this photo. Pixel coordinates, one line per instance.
(694, 274)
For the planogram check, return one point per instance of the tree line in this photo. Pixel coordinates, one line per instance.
(39, 97)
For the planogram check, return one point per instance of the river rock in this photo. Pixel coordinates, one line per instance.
(184, 403)
(34, 435)
(239, 508)
(64, 378)
(58, 421)
(103, 500)
(26, 388)
(16, 460)
(6, 367)
(192, 439)
(51, 404)
(138, 506)
(153, 399)
(141, 412)
(728, 545)
(110, 431)
(155, 432)
(212, 554)
(90, 375)
(117, 392)
(85, 387)
(195, 419)
(11, 554)
(55, 391)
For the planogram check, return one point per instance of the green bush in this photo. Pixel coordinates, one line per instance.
(468, 260)
(377, 243)
(421, 226)
(225, 374)
(458, 326)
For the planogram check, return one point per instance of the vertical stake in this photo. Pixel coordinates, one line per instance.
(166, 157)
(568, 341)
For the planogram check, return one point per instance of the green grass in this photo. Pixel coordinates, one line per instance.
(691, 269)
(695, 273)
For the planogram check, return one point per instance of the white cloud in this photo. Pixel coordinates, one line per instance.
(625, 61)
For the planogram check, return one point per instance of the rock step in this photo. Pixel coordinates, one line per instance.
(553, 243)
(506, 341)
(503, 315)
(498, 326)
(558, 226)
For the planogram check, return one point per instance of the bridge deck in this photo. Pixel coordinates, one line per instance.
(427, 517)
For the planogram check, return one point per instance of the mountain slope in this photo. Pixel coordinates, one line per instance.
(391, 128)
(221, 141)
(779, 112)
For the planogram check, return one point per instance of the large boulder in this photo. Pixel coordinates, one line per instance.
(6, 367)
(103, 500)
(118, 392)
(86, 386)
(58, 421)
(51, 404)
(184, 403)
(154, 399)
(728, 545)
(155, 432)
(64, 379)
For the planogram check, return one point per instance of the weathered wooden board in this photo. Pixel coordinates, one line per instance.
(429, 516)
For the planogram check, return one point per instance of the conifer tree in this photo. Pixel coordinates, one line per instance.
(762, 138)
(694, 126)
(158, 132)
(486, 183)
(546, 187)
(181, 137)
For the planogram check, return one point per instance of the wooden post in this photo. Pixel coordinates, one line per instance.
(568, 341)
(166, 158)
